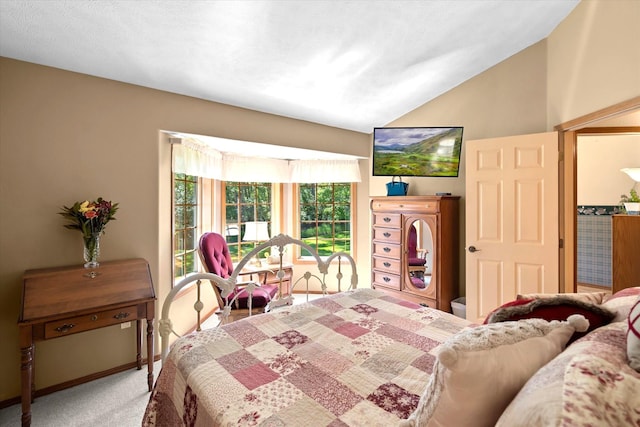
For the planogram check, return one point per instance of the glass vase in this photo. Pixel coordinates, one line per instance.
(91, 245)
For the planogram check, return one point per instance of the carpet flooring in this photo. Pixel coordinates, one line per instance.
(118, 400)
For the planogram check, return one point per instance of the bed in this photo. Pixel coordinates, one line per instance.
(355, 358)
(363, 358)
(358, 357)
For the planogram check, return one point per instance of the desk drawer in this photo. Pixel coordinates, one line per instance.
(88, 322)
(387, 280)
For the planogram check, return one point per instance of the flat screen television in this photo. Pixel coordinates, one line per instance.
(417, 151)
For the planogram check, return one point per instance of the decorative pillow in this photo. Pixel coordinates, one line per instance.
(557, 308)
(588, 384)
(621, 303)
(633, 336)
(590, 297)
(479, 370)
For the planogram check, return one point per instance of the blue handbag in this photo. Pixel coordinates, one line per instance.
(397, 188)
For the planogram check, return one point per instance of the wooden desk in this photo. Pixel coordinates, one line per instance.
(66, 300)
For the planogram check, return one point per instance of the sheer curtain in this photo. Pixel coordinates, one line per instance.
(313, 171)
(194, 158)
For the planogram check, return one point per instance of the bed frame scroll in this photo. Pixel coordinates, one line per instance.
(338, 260)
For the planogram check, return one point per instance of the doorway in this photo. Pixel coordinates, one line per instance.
(620, 118)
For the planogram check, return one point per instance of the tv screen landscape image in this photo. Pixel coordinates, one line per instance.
(417, 151)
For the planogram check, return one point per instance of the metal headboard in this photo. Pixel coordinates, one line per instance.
(226, 286)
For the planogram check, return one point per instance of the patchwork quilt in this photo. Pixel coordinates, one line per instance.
(358, 358)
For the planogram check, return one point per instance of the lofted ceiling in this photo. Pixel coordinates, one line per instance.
(349, 64)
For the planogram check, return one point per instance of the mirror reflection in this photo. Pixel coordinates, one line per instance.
(419, 253)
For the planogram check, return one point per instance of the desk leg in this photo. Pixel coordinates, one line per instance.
(26, 373)
(139, 343)
(150, 353)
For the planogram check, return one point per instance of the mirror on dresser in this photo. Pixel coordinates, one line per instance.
(419, 254)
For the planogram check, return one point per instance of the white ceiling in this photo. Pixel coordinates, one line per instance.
(349, 64)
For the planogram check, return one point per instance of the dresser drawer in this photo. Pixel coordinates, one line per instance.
(386, 264)
(391, 235)
(383, 219)
(419, 204)
(387, 250)
(88, 322)
(386, 280)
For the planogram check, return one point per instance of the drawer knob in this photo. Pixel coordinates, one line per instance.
(386, 249)
(91, 274)
(121, 315)
(387, 219)
(94, 317)
(386, 234)
(386, 279)
(387, 264)
(65, 328)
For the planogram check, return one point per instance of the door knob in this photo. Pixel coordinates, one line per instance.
(473, 249)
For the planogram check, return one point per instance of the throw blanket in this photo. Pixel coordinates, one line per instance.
(358, 358)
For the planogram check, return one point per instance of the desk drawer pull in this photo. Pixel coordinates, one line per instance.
(387, 264)
(386, 279)
(121, 315)
(386, 219)
(387, 249)
(386, 234)
(91, 274)
(65, 328)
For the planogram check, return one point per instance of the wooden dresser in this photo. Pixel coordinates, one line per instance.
(435, 221)
(66, 300)
(625, 256)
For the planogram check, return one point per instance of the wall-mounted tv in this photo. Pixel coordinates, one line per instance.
(417, 151)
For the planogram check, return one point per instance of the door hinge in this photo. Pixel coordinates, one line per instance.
(561, 244)
(561, 156)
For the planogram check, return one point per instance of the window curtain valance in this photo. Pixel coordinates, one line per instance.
(194, 158)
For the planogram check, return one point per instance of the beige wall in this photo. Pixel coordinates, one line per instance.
(593, 59)
(508, 99)
(600, 158)
(66, 137)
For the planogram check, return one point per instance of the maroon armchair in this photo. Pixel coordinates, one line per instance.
(417, 263)
(412, 249)
(216, 259)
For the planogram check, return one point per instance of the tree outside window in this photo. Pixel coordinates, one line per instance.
(185, 219)
(245, 202)
(325, 217)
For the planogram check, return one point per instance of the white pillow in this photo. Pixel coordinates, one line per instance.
(478, 371)
(633, 336)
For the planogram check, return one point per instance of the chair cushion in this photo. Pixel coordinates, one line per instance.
(418, 282)
(261, 297)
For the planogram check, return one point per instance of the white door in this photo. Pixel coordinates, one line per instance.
(512, 243)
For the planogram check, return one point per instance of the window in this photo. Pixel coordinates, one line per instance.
(325, 217)
(185, 219)
(245, 202)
